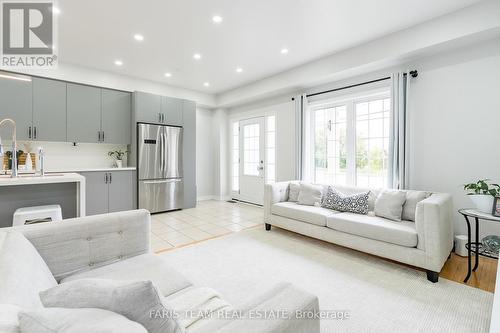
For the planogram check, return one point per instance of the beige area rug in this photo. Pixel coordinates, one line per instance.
(380, 296)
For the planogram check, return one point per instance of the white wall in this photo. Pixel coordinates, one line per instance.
(204, 154)
(455, 124)
(220, 143)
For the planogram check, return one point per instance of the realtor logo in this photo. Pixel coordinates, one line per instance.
(28, 34)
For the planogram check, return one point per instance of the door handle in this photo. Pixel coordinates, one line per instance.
(177, 180)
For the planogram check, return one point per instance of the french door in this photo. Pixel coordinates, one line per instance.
(251, 151)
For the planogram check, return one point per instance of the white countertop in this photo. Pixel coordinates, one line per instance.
(102, 169)
(31, 179)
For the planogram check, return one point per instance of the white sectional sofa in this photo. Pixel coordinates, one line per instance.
(425, 242)
(117, 246)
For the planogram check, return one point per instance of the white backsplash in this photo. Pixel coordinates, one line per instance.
(65, 156)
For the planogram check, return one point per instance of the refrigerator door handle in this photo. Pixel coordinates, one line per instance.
(177, 180)
(162, 152)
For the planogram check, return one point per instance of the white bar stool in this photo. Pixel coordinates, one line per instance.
(37, 214)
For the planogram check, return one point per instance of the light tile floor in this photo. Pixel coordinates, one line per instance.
(208, 220)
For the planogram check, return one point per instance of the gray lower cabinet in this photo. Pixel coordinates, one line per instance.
(172, 109)
(16, 103)
(122, 191)
(147, 107)
(49, 110)
(116, 116)
(111, 191)
(83, 113)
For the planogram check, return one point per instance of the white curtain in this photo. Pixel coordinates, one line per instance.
(300, 129)
(399, 132)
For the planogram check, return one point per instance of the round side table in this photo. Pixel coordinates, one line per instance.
(477, 215)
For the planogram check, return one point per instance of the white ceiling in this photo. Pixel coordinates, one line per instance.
(94, 33)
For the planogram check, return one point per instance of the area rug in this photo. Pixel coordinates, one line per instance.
(380, 296)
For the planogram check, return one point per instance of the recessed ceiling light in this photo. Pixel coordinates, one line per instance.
(284, 51)
(197, 56)
(217, 19)
(168, 74)
(56, 10)
(118, 62)
(239, 70)
(139, 37)
(206, 84)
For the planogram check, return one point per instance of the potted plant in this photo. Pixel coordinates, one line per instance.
(482, 194)
(118, 156)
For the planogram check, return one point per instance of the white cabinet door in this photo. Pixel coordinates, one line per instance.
(252, 160)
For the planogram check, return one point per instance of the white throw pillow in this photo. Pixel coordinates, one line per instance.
(53, 320)
(389, 204)
(309, 194)
(410, 206)
(139, 301)
(293, 191)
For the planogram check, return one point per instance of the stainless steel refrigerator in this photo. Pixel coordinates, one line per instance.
(159, 155)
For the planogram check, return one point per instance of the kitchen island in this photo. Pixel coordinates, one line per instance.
(27, 190)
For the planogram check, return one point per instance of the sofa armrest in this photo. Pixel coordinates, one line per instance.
(274, 193)
(435, 228)
(81, 244)
(286, 305)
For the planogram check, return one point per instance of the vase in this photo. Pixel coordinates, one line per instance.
(483, 202)
(119, 164)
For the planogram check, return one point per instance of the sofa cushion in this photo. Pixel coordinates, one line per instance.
(76, 321)
(8, 318)
(389, 204)
(410, 206)
(309, 214)
(309, 194)
(349, 190)
(400, 233)
(144, 267)
(139, 301)
(23, 273)
(354, 203)
(293, 191)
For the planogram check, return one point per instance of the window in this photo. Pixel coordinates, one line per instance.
(270, 149)
(236, 157)
(349, 140)
(251, 149)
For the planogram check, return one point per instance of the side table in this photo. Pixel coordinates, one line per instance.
(477, 215)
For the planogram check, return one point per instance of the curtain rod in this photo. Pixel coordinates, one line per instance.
(413, 73)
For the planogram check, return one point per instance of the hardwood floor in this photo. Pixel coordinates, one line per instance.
(484, 277)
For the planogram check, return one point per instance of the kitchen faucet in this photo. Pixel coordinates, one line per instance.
(14, 145)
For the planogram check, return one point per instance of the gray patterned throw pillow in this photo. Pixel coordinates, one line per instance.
(355, 203)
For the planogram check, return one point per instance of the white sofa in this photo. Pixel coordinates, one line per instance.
(425, 242)
(117, 246)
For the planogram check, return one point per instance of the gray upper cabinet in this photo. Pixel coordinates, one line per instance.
(121, 191)
(116, 115)
(84, 113)
(171, 109)
(49, 110)
(147, 107)
(16, 103)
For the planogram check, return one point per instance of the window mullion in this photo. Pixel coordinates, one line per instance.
(351, 144)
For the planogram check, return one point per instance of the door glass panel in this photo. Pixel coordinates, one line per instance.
(251, 149)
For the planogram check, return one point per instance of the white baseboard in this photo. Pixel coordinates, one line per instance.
(213, 197)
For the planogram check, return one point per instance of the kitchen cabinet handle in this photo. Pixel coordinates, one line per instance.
(98, 136)
(159, 117)
(175, 180)
(110, 177)
(34, 132)
(29, 132)
(162, 117)
(105, 177)
(102, 136)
